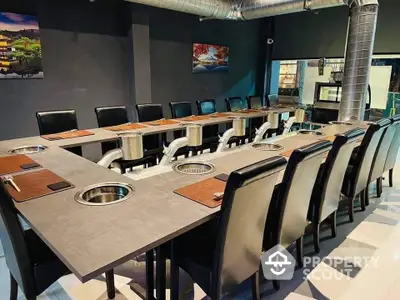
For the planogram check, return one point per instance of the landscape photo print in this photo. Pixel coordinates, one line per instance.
(20, 47)
(210, 58)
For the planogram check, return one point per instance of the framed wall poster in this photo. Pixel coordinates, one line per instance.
(20, 47)
(208, 58)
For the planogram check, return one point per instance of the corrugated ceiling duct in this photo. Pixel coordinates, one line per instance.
(357, 66)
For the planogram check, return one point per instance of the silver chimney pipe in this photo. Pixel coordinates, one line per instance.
(360, 44)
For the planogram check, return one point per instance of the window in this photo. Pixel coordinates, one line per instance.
(288, 74)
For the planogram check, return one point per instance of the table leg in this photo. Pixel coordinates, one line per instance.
(110, 284)
(160, 272)
(150, 274)
(174, 273)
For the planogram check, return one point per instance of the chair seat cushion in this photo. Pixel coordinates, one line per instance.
(195, 252)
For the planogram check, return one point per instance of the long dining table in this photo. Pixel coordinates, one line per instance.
(92, 240)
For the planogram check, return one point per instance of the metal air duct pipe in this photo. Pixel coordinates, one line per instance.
(360, 44)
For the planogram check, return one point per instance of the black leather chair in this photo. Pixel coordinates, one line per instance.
(378, 163)
(287, 214)
(33, 266)
(112, 116)
(153, 144)
(326, 192)
(56, 121)
(210, 133)
(390, 162)
(357, 173)
(221, 254)
(255, 102)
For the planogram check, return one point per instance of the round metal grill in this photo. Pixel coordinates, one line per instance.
(28, 149)
(340, 123)
(267, 147)
(194, 168)
(311, 132)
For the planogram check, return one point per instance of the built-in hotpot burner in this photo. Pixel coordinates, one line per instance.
(194, 168)
(310, 132)
(28, 149)
(267, 146)
(104, 194)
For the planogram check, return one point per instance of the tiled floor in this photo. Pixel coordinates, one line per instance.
(363, 238)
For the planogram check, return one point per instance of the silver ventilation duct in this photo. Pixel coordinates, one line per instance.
(360, 44)
(240, 10)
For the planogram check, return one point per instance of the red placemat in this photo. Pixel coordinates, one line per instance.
(66, 135)
(126, 127)
(203, 192)
(15, 163)
(34, 185)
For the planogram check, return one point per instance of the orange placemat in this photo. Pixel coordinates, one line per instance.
(162, 122)
(194, 118)
(287, 153)
(125, 127)
(15, 163)
(220, 115)
(203, 191)
(67, 135)
(330, 138)
(247, 111)
(34, 185)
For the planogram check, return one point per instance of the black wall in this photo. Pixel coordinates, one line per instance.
(84, 59)
(311, 35)
(172, 35)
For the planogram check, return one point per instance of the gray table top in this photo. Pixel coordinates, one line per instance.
(91, 240)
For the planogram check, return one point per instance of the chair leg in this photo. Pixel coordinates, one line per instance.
(316, 237)
(333, 224)
(379, 187)
(391, 177)
(299, 252)
(110, 284)
(13, 288)
(276, 284)
(351, 208)
(367, 195)
(362, 199)
(255, 285)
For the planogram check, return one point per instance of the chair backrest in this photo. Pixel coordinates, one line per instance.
(394, 146)
(110, 116)
(381, 153)
(295, 193)
(146, 113)
(255, 102)
(149, 112)
(180, 109)
(56, 121)
(235, 103)
(14, 245)
(244, 209)
(362, 166)
(272, 100)
(327, 187)
(206, 107)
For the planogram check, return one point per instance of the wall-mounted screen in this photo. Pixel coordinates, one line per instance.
(210, 58)
(20, 48)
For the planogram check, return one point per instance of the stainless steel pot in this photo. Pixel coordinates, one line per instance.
(194, 132)
(131, 144)
(239, 126)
